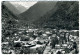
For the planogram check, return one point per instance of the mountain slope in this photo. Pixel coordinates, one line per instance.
(66, 16)
(11, 8)
(37, 10)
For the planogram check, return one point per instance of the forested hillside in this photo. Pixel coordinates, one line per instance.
(9, 23)
(65, 16)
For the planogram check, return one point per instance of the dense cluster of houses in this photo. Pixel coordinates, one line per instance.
(42, 41)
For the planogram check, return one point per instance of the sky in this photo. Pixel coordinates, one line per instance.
(26, 5)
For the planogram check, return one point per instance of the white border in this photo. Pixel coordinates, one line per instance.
(39, 0)
(36, 0)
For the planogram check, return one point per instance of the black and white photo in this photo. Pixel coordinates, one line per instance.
(40, 27)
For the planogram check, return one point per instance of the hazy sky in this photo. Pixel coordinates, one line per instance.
(26, 5)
